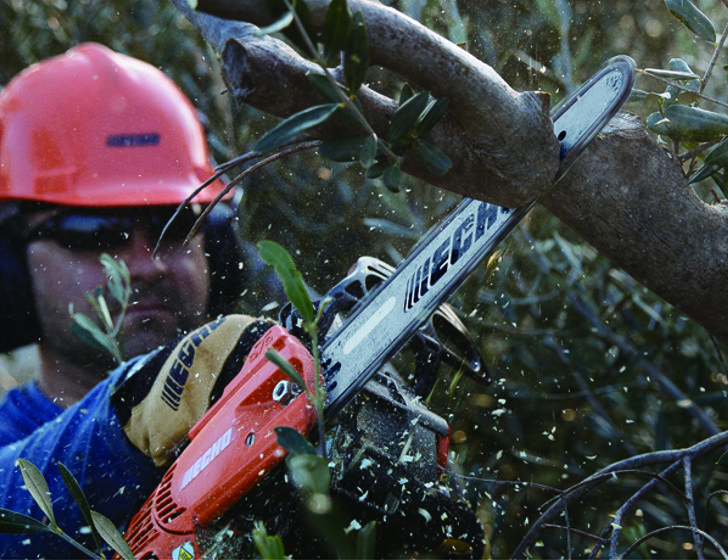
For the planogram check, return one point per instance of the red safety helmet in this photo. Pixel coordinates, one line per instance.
(93, 127)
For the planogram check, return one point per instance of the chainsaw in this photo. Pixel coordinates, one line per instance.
(371, 315)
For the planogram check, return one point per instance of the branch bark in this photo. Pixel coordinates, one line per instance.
(625, 195)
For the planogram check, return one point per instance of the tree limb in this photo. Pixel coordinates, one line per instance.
(625, 195)
(486, 132)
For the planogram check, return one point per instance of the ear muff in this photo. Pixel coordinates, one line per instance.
(18, 320)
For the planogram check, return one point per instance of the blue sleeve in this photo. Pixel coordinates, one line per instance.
(86, 438)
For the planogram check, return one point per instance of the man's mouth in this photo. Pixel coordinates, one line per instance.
(148, 308)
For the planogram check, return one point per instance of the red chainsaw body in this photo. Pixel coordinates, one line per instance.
(232, 447)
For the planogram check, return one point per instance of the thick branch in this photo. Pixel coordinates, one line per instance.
(625, 195)
(630, 199)
(488, 129)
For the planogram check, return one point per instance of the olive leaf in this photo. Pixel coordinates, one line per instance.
(74, 489)
(269, 546)
(36, 484)
(715, 161)
(285, 13)
(89, 333)
(337, 28)
(119, 280)
(290, 128)
(431, 116)
(377, 169)
(111, 535)
(366, 541)
(323, 85)
(688, 124)
(293, 441)
(392, 176)
(406, 116)
(15, 523)
(309, 473)
(356, 55)
(405, 94)
(436, 161)
(285, 366)
(277, 26)
(691, 16)
(368, 153)
(293, 284)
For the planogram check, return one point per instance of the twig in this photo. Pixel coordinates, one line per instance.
(661, 530)
(707, 503)
(670, 456)
(612, 475)
(287, 151)
(646, 72)
(579, 532)
(714, 58)
(615, 527)
(688, 476)
(697, 150)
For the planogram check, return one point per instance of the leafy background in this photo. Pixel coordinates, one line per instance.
(580, 354)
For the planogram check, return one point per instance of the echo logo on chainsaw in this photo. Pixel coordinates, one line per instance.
(472, 228)
(213, 451)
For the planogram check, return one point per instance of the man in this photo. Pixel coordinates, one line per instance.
(96, 152)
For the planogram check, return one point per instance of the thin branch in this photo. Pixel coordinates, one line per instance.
(688, 476)
(646, 72)
(515, 483)
(661, 530)
(714, 58)
(616, 526)
(579, 532)
(220, 171)
(671, 456)
(697, 150)
(612, 475)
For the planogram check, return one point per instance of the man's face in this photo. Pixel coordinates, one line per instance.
(169, 291)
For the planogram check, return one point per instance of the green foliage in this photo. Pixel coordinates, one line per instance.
(310, 474)
(550, 315)
(35, 482)
(270, 547)
(679, 119)
(688, 124)
(345, 36)
(695, 20)
(109, 336)
(276, 256)
(308, 468)
(296, 290)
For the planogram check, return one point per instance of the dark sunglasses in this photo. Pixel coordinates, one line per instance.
(82, 230)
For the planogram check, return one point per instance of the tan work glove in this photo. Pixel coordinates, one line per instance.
(159, 403)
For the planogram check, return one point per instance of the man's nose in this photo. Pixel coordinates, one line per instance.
(138, 254)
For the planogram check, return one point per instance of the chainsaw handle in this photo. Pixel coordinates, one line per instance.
(237, 430)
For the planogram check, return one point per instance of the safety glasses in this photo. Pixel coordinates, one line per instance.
(93, 230)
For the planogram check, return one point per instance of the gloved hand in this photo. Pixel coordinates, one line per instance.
(169, 392)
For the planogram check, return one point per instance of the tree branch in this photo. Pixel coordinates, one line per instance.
(487, 132)
(625, 195)
(630, 200)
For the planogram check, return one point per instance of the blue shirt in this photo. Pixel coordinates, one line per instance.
(87, 438)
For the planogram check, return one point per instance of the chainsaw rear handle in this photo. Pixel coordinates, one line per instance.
(232, 447)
